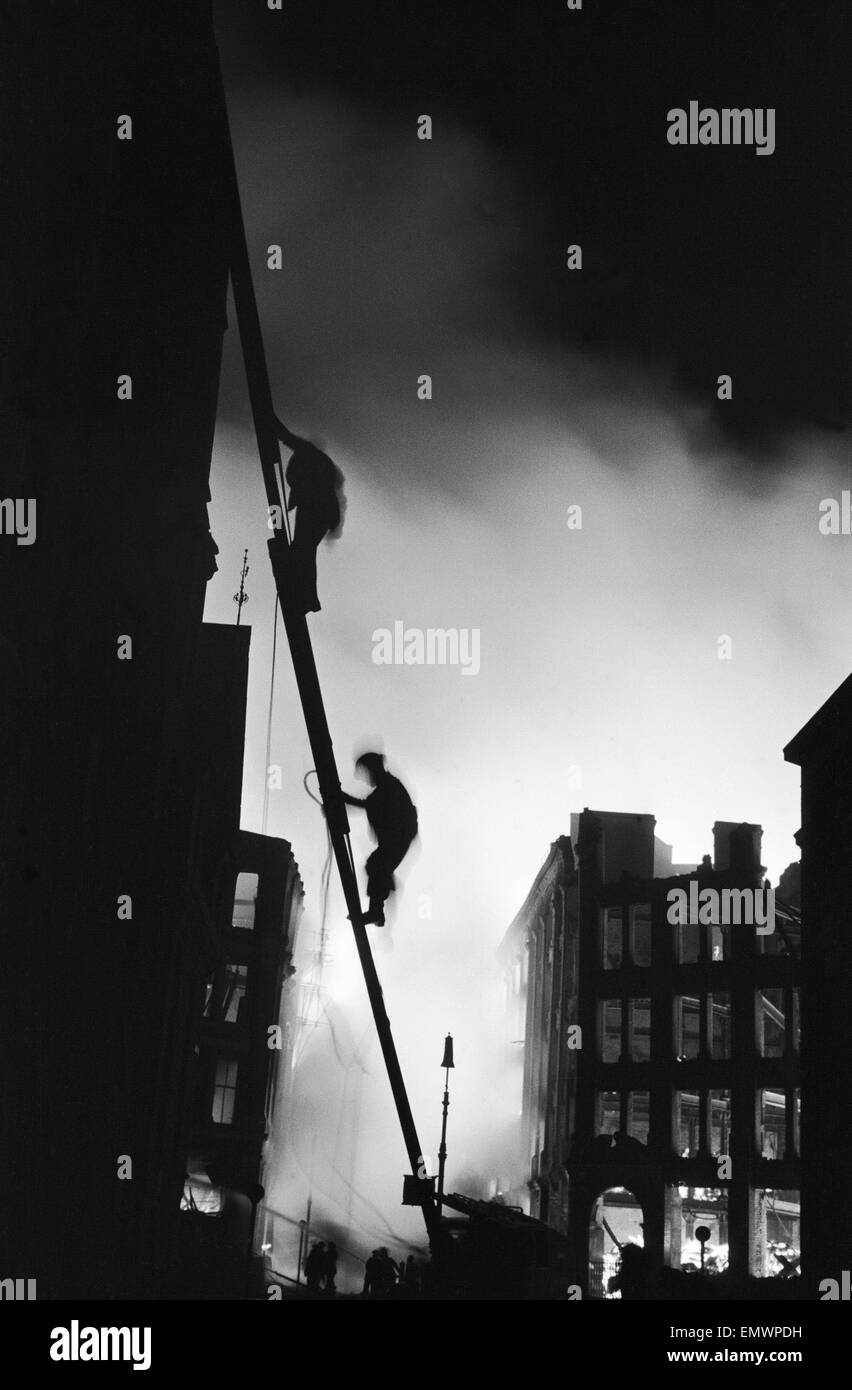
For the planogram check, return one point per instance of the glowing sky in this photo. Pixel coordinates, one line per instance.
(598, 646)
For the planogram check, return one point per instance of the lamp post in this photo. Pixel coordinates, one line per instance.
(446, 1063)
(702, 1235)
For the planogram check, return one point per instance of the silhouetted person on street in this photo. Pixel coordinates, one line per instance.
(372, 1271)
(316, 493)
(409, 1278)
(387, 1272)
(330, 1268)
(393, 820)
(314, 1266)
(633, 1279)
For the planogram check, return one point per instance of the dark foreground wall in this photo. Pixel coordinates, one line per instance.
(112, 263)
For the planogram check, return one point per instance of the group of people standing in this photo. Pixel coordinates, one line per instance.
(384, 1278)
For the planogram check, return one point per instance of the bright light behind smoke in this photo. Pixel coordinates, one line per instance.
(598, 646)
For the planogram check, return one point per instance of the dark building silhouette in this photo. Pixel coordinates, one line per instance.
(244, 1044)
(653, 1051)
(823, 751)
(122, 717)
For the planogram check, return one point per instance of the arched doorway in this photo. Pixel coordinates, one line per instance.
(616, 1220)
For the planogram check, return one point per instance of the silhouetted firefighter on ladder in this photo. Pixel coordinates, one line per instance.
(393, 820)
(316, 493)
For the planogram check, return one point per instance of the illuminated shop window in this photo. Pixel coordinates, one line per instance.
(776, 1249)
(616, 1223)
(225, 1091)
(694, 1212)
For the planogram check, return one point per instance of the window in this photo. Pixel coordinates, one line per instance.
(640, 934)
(245, 894)
(687, 1028)
(688, 1210)
(236, 977)
(225, 1000)
(720, 1122)
(720, 942)
(777, 1242)
(225, 1091)
(692, 1110)
(773, 1123)
(771, 1022)
(609, 1013)
(638, 1115)
(686, 1124)
(688, 937)
(611, 938)
(607, 1112)
(719, 1006)
(639, 1030)
(199, 1195)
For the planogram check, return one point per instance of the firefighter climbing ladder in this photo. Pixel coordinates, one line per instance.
(304, 665)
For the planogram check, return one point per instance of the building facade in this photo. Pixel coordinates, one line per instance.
(823, 751)
(661, 1069)
(245, 1035)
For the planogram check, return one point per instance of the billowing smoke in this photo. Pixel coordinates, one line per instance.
(600, 680)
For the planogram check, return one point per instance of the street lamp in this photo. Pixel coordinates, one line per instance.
(446, 1063)
(702, 1235)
